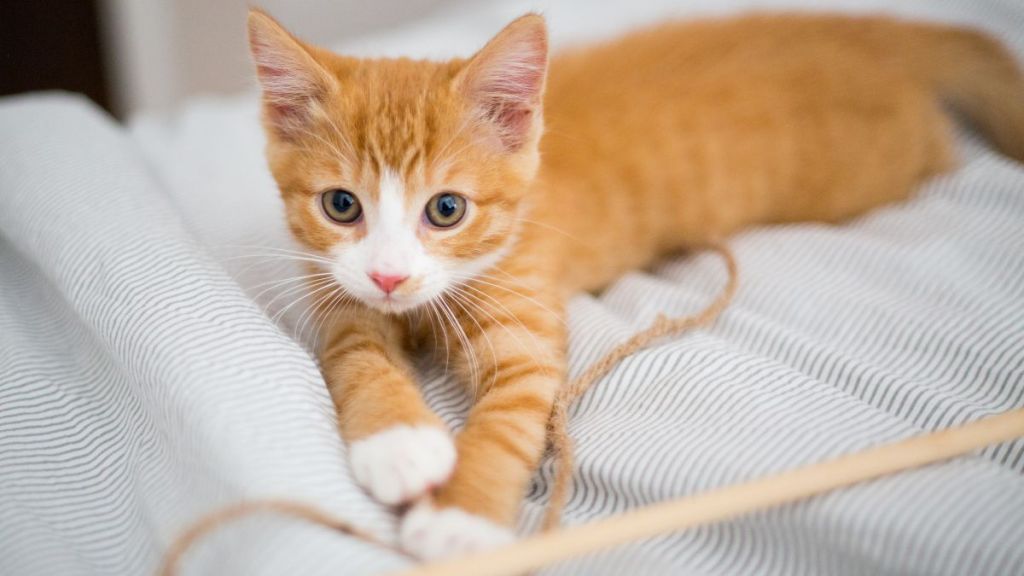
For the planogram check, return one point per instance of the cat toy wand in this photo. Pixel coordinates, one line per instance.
(713, 506)
(731, 501)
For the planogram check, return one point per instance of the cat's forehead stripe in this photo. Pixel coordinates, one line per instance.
(395, 127)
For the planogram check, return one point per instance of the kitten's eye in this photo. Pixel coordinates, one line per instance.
(446, 209)
(342, 206)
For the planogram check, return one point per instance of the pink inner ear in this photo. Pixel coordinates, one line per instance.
(519, 74)
(507, 87)
(284, 109)
(288, 87)
(514, 124)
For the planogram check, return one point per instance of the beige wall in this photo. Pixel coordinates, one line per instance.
(163, 51)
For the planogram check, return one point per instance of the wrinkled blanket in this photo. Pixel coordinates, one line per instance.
(144, 381)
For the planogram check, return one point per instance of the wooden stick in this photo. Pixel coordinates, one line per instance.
(724, 503)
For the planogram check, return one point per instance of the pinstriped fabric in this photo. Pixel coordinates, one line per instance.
(140, 385)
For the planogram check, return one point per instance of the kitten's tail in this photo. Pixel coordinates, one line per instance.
(973, 72)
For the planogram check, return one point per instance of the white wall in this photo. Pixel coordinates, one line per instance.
(163, 51)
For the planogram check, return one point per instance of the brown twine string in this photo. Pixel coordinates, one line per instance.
(559, 438)
(561, 442)
(205, 525)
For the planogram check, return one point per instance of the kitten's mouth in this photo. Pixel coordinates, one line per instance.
(392, 304)
(411, 295)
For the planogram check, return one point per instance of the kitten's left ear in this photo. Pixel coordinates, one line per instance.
(504, 81)
(293, 81)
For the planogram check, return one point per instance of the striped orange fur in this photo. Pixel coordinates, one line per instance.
(619, 153)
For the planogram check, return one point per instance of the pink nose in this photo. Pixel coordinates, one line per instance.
(387, 282)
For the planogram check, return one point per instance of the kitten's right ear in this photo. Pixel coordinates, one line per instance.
(505, 81)
(293, 81)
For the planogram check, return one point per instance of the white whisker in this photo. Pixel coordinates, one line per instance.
(552, 228)
(494, 356)
(342, 299)
(284, 282)
(311, 310)
(536, 344)
(444, 331)
(482, 279)
(298, 289)
(463, 339)
(282, 312)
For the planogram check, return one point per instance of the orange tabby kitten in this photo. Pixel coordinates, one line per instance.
(447, 220)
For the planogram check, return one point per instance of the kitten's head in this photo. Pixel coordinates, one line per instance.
(408, 176)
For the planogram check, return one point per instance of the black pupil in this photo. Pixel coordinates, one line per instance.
(342, 202)
(447, 205)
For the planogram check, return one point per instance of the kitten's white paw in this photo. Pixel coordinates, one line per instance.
(402, 462)
(431, 533)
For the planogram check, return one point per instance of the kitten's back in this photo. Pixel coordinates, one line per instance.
(682, 132)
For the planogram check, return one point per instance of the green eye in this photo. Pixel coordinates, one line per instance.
(342, 206)
(446, 209)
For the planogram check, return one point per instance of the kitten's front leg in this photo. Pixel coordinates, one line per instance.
(518, 339)
(398, 448)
